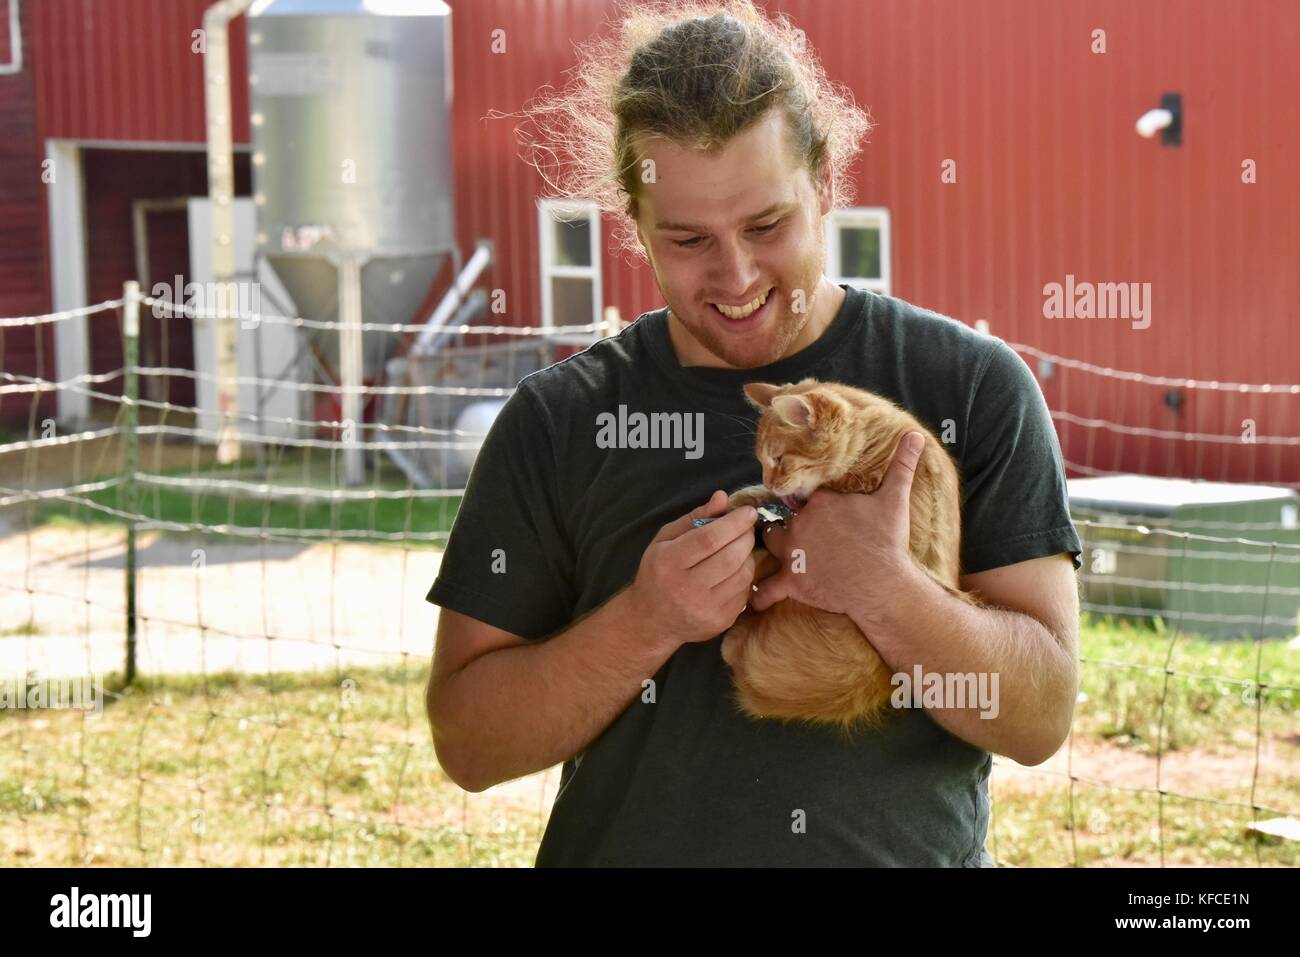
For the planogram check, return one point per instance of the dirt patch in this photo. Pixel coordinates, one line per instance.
(1193, 772)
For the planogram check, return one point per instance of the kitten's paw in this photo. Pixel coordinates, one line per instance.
(753, 495)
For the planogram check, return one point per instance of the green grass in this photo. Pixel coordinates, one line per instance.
(1209, 698)
(306, 769)
(391, 516)
(248, 770)
(1201, 724)
(386, 516)
(1100, 826)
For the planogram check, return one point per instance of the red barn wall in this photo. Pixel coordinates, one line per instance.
(24, 279)
(1052, 179)
(127, 69)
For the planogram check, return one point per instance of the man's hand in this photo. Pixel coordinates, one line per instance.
(693, 583)
(843, 553)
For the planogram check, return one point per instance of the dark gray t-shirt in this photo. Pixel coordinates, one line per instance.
(688, 779)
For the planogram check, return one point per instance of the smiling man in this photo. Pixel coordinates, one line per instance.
(583, 610)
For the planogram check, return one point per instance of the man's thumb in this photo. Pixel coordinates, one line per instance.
(906, 457)
(716, 505)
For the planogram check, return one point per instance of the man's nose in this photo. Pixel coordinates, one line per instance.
(735, 269)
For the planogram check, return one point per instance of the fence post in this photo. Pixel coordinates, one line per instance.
(131, 357)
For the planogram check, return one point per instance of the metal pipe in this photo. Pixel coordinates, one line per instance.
(221, 191)
(131, 408)
(460, 287)
(404, 461)
(350, 368)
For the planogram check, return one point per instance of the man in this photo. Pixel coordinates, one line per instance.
(583, 611)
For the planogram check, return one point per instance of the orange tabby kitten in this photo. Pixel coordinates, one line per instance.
(800, 663)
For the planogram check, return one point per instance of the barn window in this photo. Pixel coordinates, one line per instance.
(857, 247)
(570, 247)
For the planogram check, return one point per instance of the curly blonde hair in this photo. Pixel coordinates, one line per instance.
(696, 73)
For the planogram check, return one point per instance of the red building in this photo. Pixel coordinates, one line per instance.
(1004, 159)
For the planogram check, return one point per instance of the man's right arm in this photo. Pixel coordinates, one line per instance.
(501, 706)
(519, 706)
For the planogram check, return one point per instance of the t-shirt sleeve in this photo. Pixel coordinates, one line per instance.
(1014, 501)
(508, 561)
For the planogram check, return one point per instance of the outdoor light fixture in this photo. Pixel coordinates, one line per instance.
(1166, 119)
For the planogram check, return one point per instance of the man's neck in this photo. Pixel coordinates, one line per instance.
(829, 301)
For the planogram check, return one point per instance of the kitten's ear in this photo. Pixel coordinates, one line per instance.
(760, 394)
(793, 410)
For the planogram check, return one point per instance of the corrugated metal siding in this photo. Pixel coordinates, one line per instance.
(24, 283)
(1052, 180)
(127, 70)
(6, 41)
(496, 191)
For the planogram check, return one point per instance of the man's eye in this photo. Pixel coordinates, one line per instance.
(696, 240)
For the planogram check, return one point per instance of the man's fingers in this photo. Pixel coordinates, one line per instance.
(707, 540)
(737, 579)
(715, 506)
(724, 564)
(776, 540)
(771, 590)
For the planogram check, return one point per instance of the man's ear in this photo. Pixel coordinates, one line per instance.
(825, 187)
(760, 394)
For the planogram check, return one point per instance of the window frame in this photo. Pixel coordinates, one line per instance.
(857, 217)
(550, 212)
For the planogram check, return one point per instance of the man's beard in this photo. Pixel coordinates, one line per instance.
(782, 330)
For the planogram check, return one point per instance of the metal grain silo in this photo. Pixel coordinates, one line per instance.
(350, 106)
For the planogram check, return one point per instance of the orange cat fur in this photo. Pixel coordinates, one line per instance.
(799, 663)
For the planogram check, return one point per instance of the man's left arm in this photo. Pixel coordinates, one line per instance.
(1028, 639)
